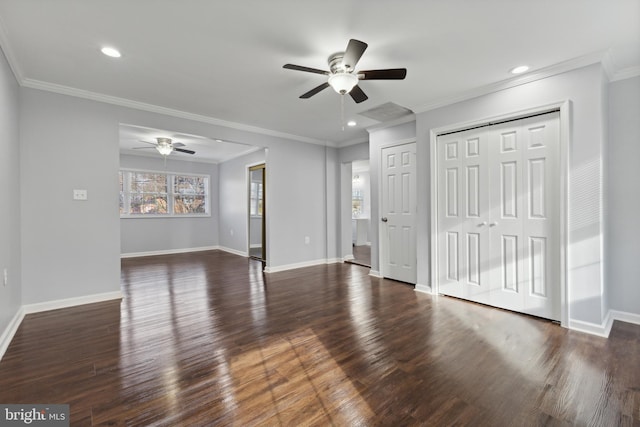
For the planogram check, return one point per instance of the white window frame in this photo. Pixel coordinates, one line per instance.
(126, 180)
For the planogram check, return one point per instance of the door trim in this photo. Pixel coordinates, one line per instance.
(262, 165)
(382, 272)
(565, 139)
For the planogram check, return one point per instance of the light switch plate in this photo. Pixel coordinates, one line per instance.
(79, 194)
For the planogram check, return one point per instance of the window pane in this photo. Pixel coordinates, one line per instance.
(148, 204)
(189, 205)
(189, 184)
(148, 182)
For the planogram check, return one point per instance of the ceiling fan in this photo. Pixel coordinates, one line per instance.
(165, 146)
(343, 78)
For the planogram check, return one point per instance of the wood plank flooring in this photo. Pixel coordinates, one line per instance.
(207, 339)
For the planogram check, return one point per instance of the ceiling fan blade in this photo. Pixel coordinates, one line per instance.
(147, 142)
(352, 55)
(390, 74)
(306, 69)
(182, 150)
(315, 90)
(142, 148)
(358, 95)
(178, 144)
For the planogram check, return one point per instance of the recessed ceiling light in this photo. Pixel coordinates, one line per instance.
(109, 51)
(520, 69)
(351, 123)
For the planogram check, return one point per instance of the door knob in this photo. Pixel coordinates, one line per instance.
(384, 219)
(482, 224)
(493, 224)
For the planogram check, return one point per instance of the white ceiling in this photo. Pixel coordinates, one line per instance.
(223, 59)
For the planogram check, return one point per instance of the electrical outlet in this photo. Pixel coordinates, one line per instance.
(231, 231)
(79, 194)
(307, 240)
(6, 277)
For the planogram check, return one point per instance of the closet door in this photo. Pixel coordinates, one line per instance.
(463, 208)
(525, 216)
(498, 215)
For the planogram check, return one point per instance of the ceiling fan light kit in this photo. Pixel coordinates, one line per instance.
(343, 78)
(164, 149)
(165, 146)
(342, 83)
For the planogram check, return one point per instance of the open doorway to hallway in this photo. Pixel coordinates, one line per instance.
(361, 213)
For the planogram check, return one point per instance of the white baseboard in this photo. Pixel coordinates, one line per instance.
(604, 329)
(625, 317)
(255, 245)
(375, 273)
(10, 331)
(425, 289)
(233, 251)
(168, 251)
(348, 258)
(71, 302)
(601, 330)
(294, 266)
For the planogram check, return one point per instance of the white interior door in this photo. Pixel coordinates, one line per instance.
(398, 212)
(463, 211)
(499, 215)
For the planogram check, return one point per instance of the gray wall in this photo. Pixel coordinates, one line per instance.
(162, 234)
(234, 203)
(583, 87)
(346, 156)
(11, 295)
(377, 139)
(69, 248)
(72, 249)
(623, 196)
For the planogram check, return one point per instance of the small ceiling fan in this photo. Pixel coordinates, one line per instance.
(165, 146)
(343, 78)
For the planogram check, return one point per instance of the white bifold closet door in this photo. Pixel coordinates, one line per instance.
(499, 215)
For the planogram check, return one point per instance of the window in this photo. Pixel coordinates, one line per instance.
(256, 199)
(148, 193)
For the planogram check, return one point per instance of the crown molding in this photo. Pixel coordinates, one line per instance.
(8, 53)
(123, 102)
(543, 73)
(626, 73)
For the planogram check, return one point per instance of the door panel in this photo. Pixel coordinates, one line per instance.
(398, 233)
(498, 222)
(462, 202)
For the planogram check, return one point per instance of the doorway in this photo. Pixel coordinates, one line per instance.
(360, 205)
(257, 212)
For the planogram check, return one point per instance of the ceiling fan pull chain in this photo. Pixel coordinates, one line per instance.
(342, 111)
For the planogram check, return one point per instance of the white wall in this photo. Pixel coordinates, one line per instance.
(165, 234)
(583, 87)
(11, 295)
(623, 196)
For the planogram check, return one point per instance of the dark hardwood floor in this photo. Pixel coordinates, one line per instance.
(207, 339)
(361, 255)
